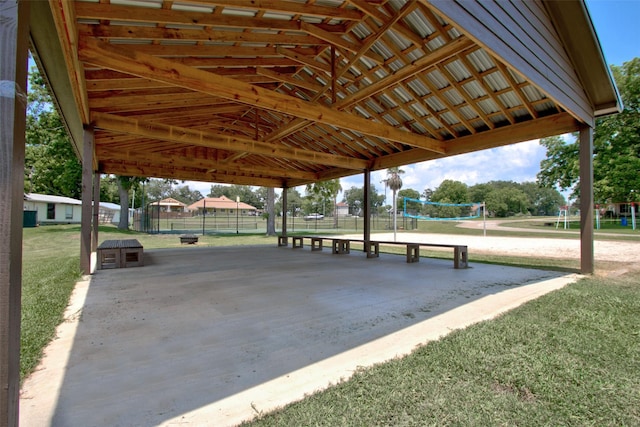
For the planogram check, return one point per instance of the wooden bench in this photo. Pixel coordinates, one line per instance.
(372, 248)
(460, 252)
(120, 254)
(189, 239)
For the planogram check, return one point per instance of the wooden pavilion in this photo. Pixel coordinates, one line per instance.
(284, 93)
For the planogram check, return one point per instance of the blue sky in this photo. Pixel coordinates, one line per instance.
(617, 23)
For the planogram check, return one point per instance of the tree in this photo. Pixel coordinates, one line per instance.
(450, 191)
(407, 192)
(506, 202)
(294, 202)
(51, 164)
(542, 200)
(561, 167)
(356, 194)
(394, 182)
(158, 189)
(125, 183)
(245, 192)
(185, 195)
(616, 161)
(326, 190)
(271, 212)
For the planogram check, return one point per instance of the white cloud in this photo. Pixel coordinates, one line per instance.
(518, 162)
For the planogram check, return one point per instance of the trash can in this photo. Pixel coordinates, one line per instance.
(30, 219)
(623, 221)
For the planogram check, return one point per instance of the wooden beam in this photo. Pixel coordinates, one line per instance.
(162, 171)
(209, 139)
(587, 260)
(96, 211)
(87, 195)
(540, 128)
(111, 12)
(366, 232)
(14, 33)
(63, 13)
(175, 160)
(155, 33)
(132, 62)
(418, 66)
(280, 6)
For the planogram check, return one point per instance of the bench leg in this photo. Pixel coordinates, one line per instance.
(341, 246)
(373, 250)
(316, 244)
(413, 253)
(283, 241)
(108, 258)
(131, 257)
(460, 259)
(297, 242)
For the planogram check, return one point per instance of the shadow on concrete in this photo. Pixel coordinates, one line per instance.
(198, 325)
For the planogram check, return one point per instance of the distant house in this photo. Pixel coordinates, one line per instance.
(618, 210)
(170, 205)
(342, 209)
(53, 209)
(222, 206)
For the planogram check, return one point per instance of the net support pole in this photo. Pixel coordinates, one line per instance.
(633, 216)
(484, 219)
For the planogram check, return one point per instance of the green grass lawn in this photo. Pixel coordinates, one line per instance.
(571, 357)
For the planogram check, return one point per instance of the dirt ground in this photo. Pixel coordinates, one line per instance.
(612, 257)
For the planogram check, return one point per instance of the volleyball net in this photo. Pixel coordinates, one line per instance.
(436, 211)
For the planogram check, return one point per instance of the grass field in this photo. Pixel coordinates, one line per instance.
(569, 358)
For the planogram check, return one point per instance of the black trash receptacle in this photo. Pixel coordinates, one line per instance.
(30, 219)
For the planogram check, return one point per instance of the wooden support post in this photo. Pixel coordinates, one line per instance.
(87, 193)
(587, 261)
(14, 33)
(284, 212)
(96, 211)
(367, 209)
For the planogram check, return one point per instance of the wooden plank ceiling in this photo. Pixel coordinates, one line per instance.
(283, 93)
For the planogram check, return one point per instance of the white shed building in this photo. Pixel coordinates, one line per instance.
(53, 209)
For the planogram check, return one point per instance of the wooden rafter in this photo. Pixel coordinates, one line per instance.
(213, 140)
(129, 61)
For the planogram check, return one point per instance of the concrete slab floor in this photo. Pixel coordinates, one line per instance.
(212, 336)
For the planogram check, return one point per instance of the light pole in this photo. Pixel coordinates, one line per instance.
(357, 203)
(237, 212)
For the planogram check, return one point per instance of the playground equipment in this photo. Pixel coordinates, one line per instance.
(563, 213)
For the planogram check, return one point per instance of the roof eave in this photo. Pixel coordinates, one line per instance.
(574, 25)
